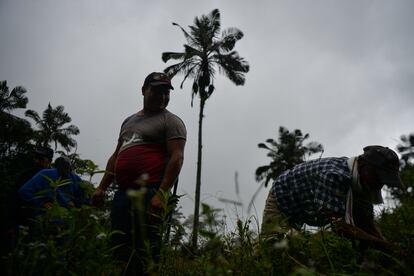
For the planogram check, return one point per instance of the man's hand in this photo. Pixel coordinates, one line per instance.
(48, 205)
(156, 204)
(98, 196)
(155, 209)
(354, 232)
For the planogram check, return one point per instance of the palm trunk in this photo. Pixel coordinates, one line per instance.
(198, 179)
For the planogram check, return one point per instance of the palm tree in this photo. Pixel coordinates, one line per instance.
(206, 52)
(406, 148)
(285, 153)
(288, 151)
(15, 132)
(12, 100)
(51, 127)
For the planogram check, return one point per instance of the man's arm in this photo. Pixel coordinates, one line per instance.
(354, 232)
(107, 179)
(364, 218)
(175, 148)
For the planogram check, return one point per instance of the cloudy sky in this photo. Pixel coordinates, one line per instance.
(341, 71)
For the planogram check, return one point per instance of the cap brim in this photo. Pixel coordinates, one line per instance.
(158, 83)
(391, 179)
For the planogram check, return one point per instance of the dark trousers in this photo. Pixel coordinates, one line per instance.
(137, 238)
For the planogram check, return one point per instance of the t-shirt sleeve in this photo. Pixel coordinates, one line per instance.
(122, 126)
(175, 128)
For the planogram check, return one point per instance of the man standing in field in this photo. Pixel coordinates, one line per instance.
(340, 191)
(148, 157)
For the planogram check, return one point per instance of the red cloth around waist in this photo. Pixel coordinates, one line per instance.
(140, 164)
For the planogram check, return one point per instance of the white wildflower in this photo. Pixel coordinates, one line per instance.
(101, 236)
(144, 177)
(142, 180)
(283, 244)
(106, 214)
(23, 228)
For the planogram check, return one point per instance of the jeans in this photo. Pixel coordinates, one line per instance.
(138, 238)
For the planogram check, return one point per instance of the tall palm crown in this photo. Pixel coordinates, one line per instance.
(206, 52)
(51, 127)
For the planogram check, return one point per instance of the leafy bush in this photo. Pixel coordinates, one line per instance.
(64, 242)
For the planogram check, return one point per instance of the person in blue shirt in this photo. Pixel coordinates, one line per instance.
(59, 185)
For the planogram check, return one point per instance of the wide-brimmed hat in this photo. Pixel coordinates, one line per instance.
(158, 78)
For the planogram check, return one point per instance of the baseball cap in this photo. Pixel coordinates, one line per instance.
(44, 152)
(387, 165)
(158, 78)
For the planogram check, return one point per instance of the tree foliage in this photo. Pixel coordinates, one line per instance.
(285, 152)
(406, 148)
(52, 129)
(15, 132)
(12, 100)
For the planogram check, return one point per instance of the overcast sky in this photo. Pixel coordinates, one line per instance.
(341, 71)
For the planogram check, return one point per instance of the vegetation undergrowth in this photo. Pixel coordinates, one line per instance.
(77, 242)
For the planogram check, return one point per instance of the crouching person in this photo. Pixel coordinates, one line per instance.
(337, 191)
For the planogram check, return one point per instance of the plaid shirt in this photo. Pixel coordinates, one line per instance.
(313, 191)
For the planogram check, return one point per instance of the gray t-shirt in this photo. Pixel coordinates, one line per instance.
(151, 129)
